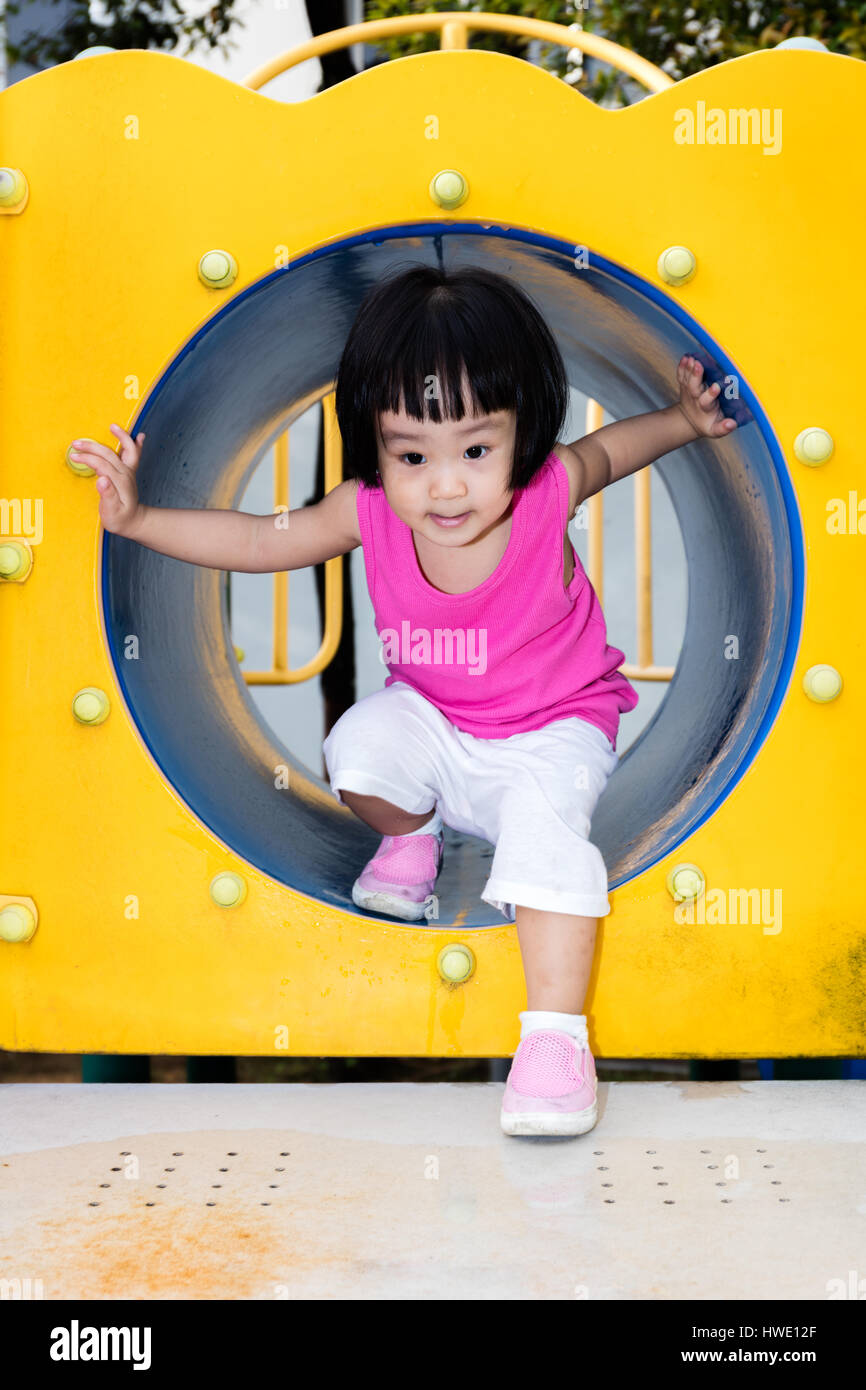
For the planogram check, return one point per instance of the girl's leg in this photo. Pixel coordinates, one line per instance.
(386, 752)
(557, 951)
(383, 816)
(545, 787)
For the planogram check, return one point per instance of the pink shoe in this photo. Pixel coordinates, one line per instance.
(399, 878)
(551, 1087)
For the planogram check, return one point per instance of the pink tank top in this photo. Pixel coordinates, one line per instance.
(514, 653)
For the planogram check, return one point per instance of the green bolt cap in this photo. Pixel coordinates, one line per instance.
(449, 188)
(17, 922)
(813, 446)
(822, 683)
(455, 963)
(16, 560)
(676, 265)
(91, 705)
(217, 269)
(685, 881)
(228, 889)
(82, 469)
(13, 188)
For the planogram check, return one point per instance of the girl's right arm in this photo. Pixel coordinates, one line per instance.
(249, 544)
(217, 538)
(307, 535)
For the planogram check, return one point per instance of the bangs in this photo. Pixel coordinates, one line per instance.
(441, 346)
(446, 367)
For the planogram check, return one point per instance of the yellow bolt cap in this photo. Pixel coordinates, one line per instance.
(91, 705)
(676, 265)
(228, 889)
(449, 188)
(685, 881)
(813, 446)
(17, 922)
(822, 683)
(455, 963)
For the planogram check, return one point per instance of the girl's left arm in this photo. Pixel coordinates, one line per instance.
(615, 451)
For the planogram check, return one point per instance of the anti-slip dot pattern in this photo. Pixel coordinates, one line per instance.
(161, 1186)
(606, 1183)
(233, 1153)
(664, 1182)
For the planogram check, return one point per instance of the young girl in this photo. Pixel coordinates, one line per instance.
(500, 711)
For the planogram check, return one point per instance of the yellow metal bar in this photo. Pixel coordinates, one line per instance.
(643, 567)
(458, 23)
(281, 578)
(455, 34)
(646, 673)
(643, 669)
(281, 673)
(594, 421)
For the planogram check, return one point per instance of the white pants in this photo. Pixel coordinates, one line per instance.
(531, 795)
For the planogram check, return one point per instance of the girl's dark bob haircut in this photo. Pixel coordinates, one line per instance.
(417, 331)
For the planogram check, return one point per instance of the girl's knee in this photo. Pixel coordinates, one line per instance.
(357, 741)
(379, 732)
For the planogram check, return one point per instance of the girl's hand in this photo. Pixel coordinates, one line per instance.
(699, 404)
(119, 507)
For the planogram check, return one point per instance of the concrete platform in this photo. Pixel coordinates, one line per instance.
(735, 1190)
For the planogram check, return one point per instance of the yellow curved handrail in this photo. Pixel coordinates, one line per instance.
(280, 672)
(454, 27)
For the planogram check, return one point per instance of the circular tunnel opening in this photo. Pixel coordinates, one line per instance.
(260, 363)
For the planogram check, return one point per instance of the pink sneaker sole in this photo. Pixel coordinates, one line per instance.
(551, 1087)
(399, 879)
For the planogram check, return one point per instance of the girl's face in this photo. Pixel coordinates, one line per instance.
(456, 468)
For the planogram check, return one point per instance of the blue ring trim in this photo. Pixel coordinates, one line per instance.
(661, 300)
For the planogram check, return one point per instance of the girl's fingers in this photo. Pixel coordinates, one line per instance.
(129, 448)
(111, 484)
(100, 464)
(91, 450)
(126, 439)
(692, 381)
(94, 461)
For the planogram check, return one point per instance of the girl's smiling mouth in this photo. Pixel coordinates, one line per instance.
(448, 520)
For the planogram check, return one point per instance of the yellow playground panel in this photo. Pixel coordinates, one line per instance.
(185, 255)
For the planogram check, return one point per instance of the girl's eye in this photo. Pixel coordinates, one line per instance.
(410, 457)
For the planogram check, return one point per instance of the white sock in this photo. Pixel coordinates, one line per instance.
(575, 1024)
(433, 826)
